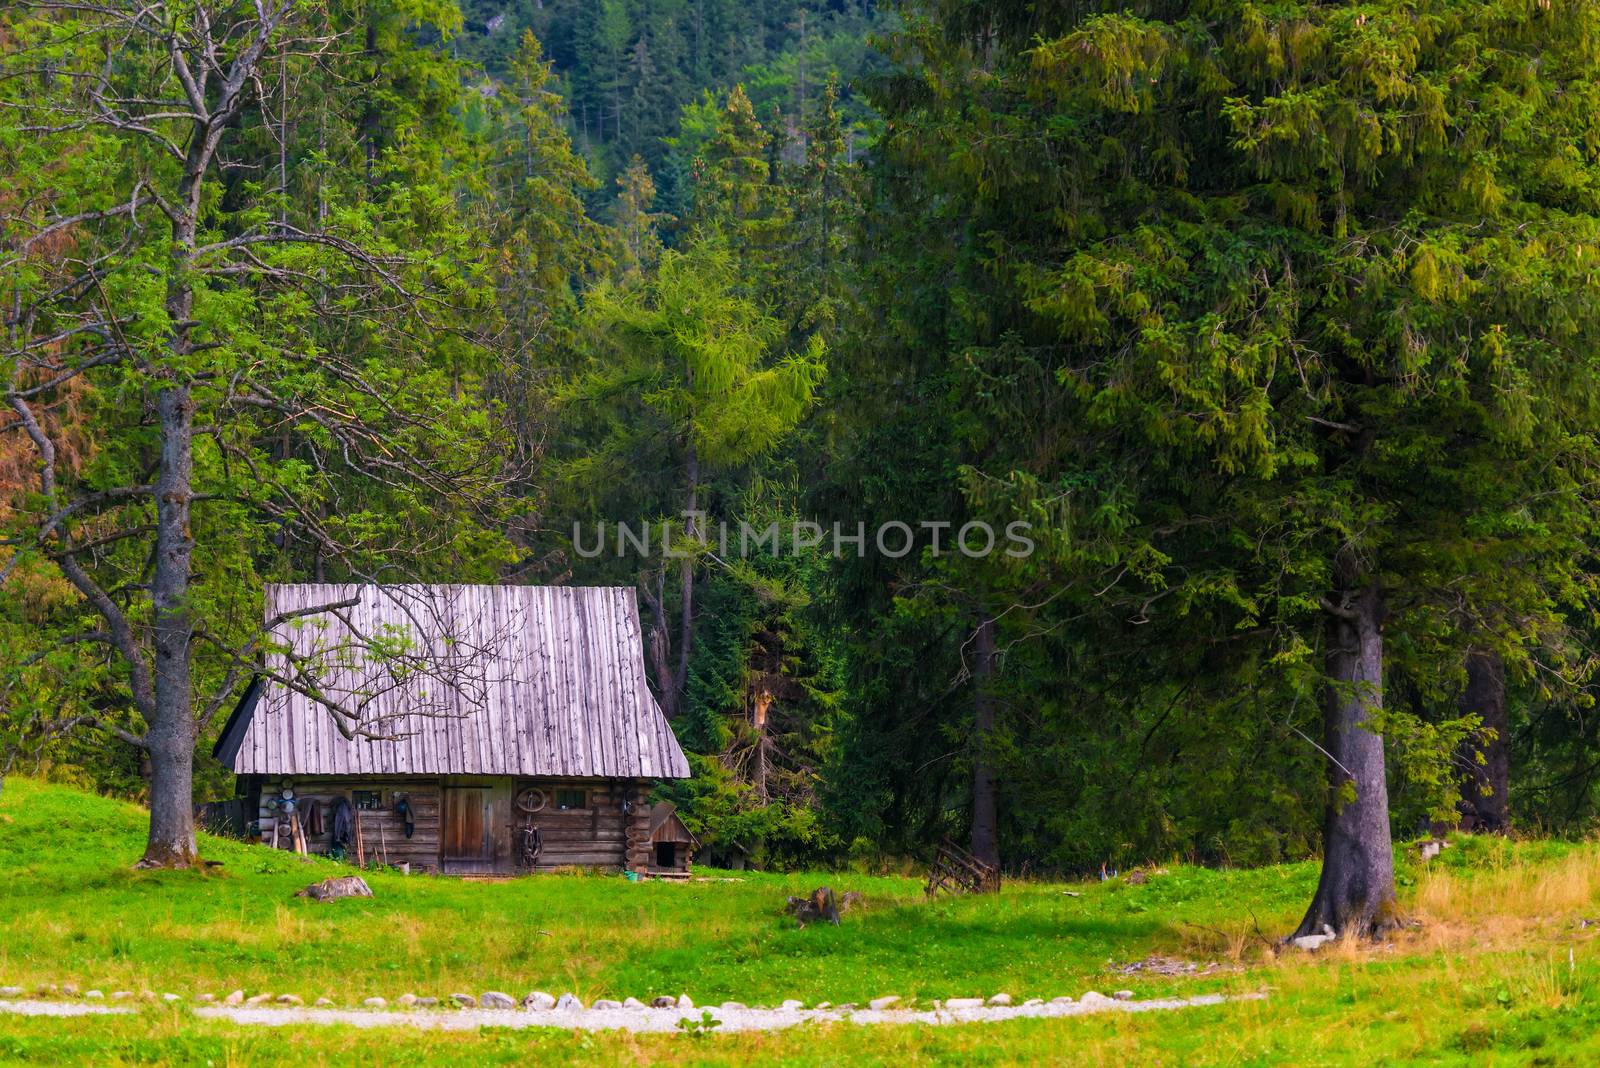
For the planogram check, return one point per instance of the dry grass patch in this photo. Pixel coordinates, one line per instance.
(1510, 887)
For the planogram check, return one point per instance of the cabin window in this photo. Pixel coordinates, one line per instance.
(366, 800)
(567, 800)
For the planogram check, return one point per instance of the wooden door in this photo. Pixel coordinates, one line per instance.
(464, 839)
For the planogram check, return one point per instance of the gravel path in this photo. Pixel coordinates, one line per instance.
(637, 1020)
(62, 1008)
(666, 1020)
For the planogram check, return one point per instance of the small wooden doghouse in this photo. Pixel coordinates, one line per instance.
(486, 730)
(671, 844)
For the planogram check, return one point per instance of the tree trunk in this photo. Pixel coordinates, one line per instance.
(1355, 894)
(761, 761)
(1484, 786)
(371, 116)
(171, 732)
(985, 790)
(658, 646)
(691, 470)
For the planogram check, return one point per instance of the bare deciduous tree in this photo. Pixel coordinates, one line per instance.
(197, 316)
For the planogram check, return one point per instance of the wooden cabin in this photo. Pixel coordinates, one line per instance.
(671, 844)
(474, 730)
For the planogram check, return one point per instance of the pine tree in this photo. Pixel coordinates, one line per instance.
(732, 189)
(827, 203)
(737, 200)
(637, 228)
(547, 245)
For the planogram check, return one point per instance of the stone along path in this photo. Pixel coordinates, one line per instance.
(641, 1018)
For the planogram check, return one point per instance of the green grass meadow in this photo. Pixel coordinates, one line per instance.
(1500, 968)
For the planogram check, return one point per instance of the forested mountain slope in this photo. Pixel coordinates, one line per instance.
(628, 67)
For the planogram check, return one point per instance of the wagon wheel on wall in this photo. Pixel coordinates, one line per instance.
(529, 799)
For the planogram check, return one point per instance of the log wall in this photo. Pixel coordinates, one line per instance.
(600, 835)
(383, 830)
(638, 833)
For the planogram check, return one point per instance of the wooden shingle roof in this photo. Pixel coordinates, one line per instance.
(463, 680)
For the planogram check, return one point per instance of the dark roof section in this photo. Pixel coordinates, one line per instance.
(227, 747)
(458, 680)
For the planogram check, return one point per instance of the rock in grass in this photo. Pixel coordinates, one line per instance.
(633, 1003)
(963, 1003)
(887, 1001)
(333, 889)
(538, 1001)
(1031, 1002)
(235, 998)
(1094, 997)
(406, 1000)
(1064, 999)
(375, 1003)
(792, 1005)
(1123, 995)
(664, 1002)
(206, 999)
(1000, 999)
(848, 1006)
(684, 1002)
(569, 1002)
(494, 999)
(465, 1001)
(10, 991)
(427, 1003)
(323, 1003)
(93, 995)
(606, 1003)
(289, 999)
(119, 995)
(1312, 943)
(171, 998)
(69, 990)
(259, 999)
(824, 1005)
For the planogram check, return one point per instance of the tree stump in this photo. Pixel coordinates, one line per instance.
(819, 906)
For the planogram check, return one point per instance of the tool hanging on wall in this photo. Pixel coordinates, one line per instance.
(530, 843)
(402, 807)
